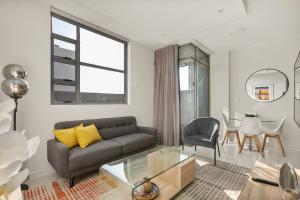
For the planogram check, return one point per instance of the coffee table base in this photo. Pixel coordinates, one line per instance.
(170, 182)
(175, 179)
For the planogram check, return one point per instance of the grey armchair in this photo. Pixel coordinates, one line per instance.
(203, 131)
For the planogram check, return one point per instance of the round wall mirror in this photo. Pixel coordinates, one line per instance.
(267, 85)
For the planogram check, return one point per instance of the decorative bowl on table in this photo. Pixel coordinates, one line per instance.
(146, 191)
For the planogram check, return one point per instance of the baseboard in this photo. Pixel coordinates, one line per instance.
(41, 173)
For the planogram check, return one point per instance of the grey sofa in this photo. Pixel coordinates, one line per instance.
(121, 137)
(203, 131)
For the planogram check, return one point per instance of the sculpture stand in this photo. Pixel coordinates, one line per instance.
(23, 186)
(15, 113)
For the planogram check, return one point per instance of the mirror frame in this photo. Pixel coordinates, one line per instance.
(295, 68)
(287, 88)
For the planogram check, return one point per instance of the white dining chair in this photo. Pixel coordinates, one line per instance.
(230, 130)
(274, 133)
(251, 128)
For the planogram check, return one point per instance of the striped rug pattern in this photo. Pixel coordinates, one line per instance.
(89, 188)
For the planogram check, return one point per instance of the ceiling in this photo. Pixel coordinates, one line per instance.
(217, 24)
(266, 21)
(156, 23)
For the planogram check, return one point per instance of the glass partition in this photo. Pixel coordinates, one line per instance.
(194, 83)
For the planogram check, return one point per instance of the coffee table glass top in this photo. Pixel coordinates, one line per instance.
(151, 163)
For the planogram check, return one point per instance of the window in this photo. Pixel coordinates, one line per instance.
(87, 66)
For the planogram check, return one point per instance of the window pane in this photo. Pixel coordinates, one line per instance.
(184, 78)
(63, 28)
(101, 98)
(64, 49)
(64, 71)
(99, 50)
(64, 93)
(94, 80)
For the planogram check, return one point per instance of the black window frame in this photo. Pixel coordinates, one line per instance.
(77, 63)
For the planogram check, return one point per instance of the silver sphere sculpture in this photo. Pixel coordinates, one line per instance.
(14, 71)
(288, 182)
(15, 87)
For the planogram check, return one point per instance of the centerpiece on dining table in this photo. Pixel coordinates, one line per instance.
(251, 115)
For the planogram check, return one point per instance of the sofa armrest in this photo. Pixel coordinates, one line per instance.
(58, 157)
(150, 130)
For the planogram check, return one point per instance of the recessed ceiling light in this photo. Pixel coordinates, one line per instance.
(238, 31)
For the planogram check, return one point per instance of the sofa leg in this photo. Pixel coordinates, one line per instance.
(72, 182)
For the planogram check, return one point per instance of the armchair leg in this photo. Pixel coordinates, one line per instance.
(72, 182)
(215, 155)
(218, 148)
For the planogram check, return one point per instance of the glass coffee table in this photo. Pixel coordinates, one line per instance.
(168, 168)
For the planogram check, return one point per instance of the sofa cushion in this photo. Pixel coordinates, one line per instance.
(99, 123)
(96, 153)
(107, 127)
(135, 142)
(109, 133)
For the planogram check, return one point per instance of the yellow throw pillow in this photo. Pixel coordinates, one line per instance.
(67, 136)
(87, 135)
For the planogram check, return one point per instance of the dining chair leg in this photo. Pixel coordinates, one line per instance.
(280, 145)
(258, 145)
(225, 137)
(243, 143)
(264, 143)
(238, 139)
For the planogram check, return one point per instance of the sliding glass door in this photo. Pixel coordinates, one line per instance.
(194, 83)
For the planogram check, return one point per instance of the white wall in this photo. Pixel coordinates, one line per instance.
(279, 56)
(219, 84)
(25, 40)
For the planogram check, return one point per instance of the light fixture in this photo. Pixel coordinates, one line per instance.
(14, 84)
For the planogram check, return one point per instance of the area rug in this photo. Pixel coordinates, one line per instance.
(223, 181)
